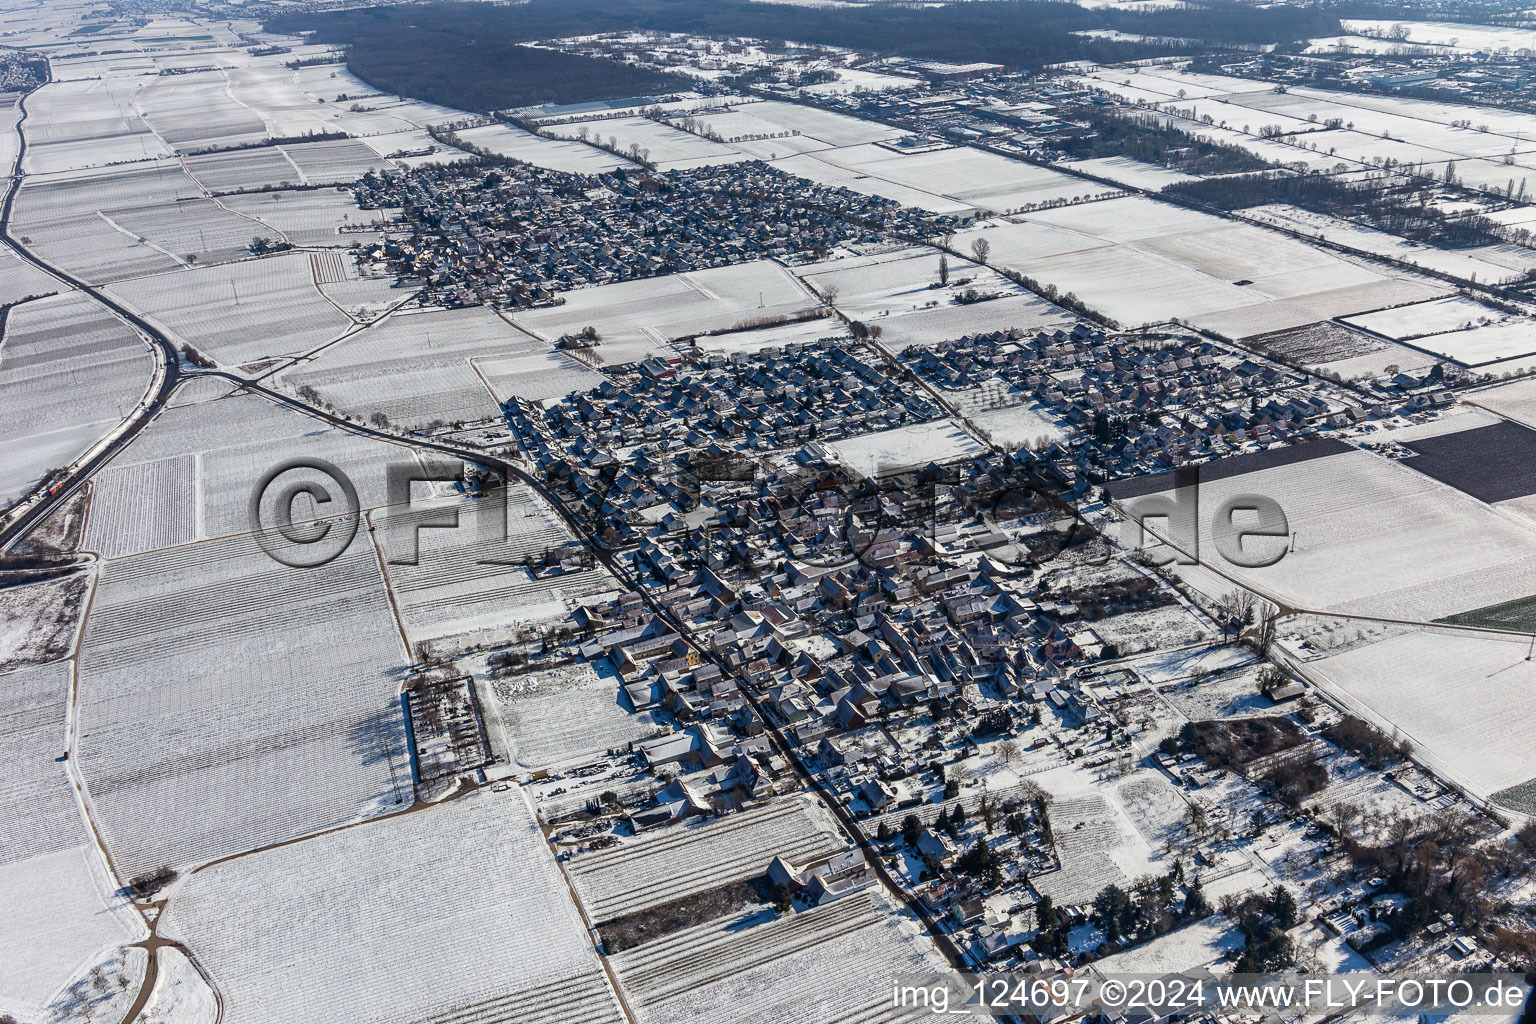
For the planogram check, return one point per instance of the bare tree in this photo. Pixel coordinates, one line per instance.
(981, 249)
(943, 270)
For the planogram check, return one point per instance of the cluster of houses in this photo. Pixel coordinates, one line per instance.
(516, 235)
(1145, 403)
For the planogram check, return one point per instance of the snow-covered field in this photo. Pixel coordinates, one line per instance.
(908, 447)
(274, 709)
(453, 912)
(696, 856)
(1380, 243)
(1140, 261)
(62, 915)
(242, 313)
(844, 959)
(667, 147)
(70, 372)
(312, 217)
(1417, 319)
(1009, 425)
(418, 367)
(1465, 700)
(638, 318)
(1122, 170)
(470, 578)
(557, 154)
(971, 177)
(1097, 840)
(566, 714)
(1378, 538)
(1494, 38)
(180, 996)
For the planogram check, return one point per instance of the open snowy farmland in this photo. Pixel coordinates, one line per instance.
(1464, 699)
(827, 127)
(241, 313)
(472, 577)
(903, 448)
(274, 712)
(844, 958)
(196, 111)
(697, 856)
(971, 176)
(79, 124)
(244, 169)
(568, 714)
(638, 318)
(324, 217)
(1374, 537)
(420, 367)
(191, 475)
(455, 912)
(332, 161)
(667, 147)
(1417, 319)
(756, 339)
(110, 225)
(70, 372)
(536, 376)
(1140, 261)
(568, 155)
(64, 914)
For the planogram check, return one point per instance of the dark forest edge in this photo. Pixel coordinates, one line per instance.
(468, 55)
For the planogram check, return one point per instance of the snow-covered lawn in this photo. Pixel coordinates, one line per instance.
(451, 909)
(901, 448)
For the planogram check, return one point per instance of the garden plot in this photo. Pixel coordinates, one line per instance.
(556, 154)
(454, 913)
(1377, 538)
(196, 111)
(244, 170)
(242, 313)
(64, 916)
(696, 856)
(274, 712)
(70, 373)
(1465, 700)
(666, 147)
(320, 217)
(1226, 695)
(472, 578)
(1184, 949)
(415, 368)
(843, 957)
(535, 377)
(568, 714)
(902, 448)
(639, 318)
(333, 161)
